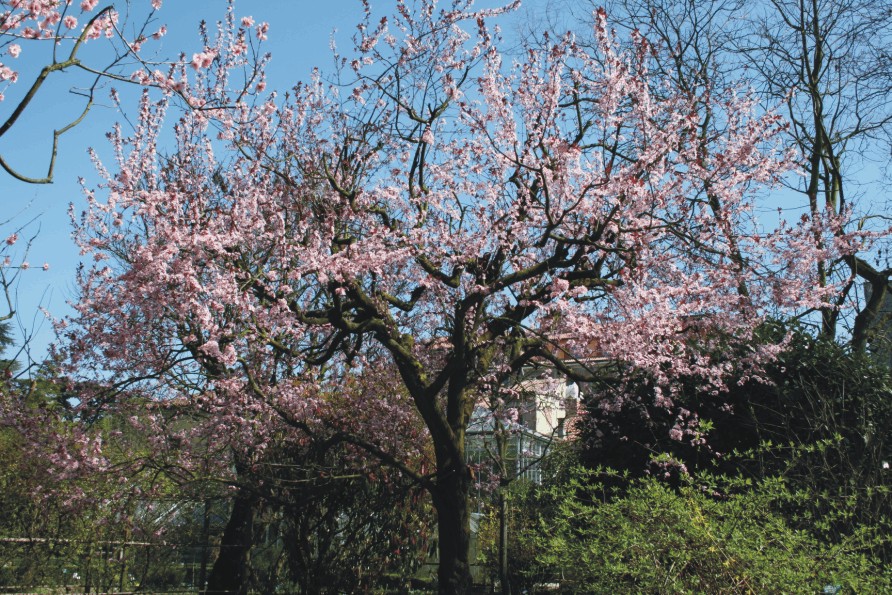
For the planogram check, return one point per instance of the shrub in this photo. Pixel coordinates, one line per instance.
(709, 535)
(826, 414)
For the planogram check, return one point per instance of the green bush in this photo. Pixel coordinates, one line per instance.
(525, 570)
(713, 535)
(825, 414)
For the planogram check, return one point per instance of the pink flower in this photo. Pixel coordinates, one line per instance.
(559, 286)
(156, 4)
(202, 59)
(46, 266)
(70, 22)
(25, 266)
(88, 5)
(8, 74)
(14, 50)
(12, 239)
(262, 30)
(247, 22)
(427, 136)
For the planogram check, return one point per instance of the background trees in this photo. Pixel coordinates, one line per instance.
(835, 58)
(827, 64)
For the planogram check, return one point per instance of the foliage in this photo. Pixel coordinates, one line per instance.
(822, 420)
(713, 534)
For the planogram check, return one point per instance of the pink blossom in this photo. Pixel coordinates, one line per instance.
(8, 74)
(50, 20)
(88, 5)
(202, 59)
(262, 30)
(427, 136)
(12, 239)
(559, 285)
(70, 22)
(14, 50)
(46, 266)
(247, 22)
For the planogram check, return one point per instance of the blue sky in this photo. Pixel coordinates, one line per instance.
(300, 31)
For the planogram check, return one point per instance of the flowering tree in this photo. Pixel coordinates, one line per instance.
(457, 215)
(62, 29)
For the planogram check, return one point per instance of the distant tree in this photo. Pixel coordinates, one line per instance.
(7, 366)
(831, 60)
(827, 63)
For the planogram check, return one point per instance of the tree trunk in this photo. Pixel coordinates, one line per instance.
(452, 501)
(229, 576)
(876, 290)
(503, 542)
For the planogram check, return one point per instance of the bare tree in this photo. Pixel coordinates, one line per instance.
(826, 63)
(829, 61)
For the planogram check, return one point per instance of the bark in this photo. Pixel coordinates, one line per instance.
(868, 318)
(451, 500)
(229, 576)
(503, 542)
